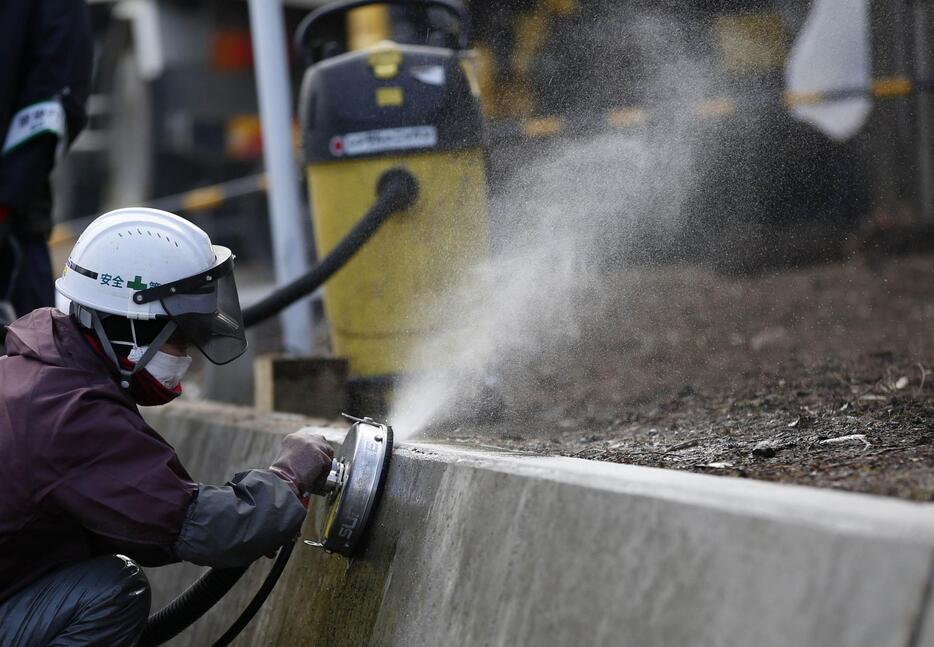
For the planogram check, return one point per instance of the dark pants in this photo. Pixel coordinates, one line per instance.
(100, 601)
(34, 287)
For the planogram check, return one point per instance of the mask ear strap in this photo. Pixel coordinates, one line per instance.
(125, 375)
(154, 347)
(157, 343)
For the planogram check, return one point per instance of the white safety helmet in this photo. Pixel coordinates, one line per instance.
(145, 264)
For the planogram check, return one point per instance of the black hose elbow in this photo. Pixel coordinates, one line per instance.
(398, 187)
(397, 190)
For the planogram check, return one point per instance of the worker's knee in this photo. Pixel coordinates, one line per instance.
(124, 587)
(116, 599)
(99, 601)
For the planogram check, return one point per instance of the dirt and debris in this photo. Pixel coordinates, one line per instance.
(818, 376)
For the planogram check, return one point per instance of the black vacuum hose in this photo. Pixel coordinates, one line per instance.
(396, 190)
(207, 591)
(268, 584)
(193, 603)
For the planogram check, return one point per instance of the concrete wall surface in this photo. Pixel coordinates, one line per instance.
(483, 548)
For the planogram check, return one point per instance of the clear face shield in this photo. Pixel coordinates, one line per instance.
(206, 309)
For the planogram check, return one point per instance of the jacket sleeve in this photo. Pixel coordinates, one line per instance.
(48, 108)
(106, 468)
(255, 513)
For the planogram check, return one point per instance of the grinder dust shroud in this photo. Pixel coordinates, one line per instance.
(355, 482)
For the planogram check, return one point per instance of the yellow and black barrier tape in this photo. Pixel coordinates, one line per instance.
(542, 127)
(195, 201)
(889, 87)
(211, 197)
(627, 117)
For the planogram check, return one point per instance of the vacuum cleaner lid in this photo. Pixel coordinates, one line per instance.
(357, 478)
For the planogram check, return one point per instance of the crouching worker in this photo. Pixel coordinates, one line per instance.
(89, 489)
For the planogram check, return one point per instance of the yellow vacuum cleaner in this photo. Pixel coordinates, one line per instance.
(370, 105)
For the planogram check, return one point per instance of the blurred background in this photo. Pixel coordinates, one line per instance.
(740, 136)
(175, 108)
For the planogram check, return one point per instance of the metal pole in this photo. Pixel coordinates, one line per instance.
(884, 138)
(267, 27)
(924, 72)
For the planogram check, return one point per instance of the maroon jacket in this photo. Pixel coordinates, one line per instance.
(82, 474)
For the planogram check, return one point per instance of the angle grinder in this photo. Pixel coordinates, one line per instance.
(354, 484)
(355, 481)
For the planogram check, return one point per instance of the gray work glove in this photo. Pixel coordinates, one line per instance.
(304, 462)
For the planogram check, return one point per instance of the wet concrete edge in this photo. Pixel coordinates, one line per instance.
(441, 498)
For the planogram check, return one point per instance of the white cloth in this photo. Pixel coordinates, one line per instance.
(832, 53)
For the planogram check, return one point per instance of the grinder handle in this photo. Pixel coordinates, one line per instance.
(335, 480)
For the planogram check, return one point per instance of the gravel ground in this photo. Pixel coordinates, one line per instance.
(817, 376)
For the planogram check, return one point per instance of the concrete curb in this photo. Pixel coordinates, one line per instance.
(482, 548)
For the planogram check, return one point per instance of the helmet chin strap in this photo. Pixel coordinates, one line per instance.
(157, 343)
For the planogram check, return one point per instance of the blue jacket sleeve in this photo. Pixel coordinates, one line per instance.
(233, 525)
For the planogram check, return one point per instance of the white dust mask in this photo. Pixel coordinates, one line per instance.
(168, 369)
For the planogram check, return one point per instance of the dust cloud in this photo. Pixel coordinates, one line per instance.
(566, 214)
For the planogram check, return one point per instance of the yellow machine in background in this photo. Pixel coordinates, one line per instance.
(369, 105)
